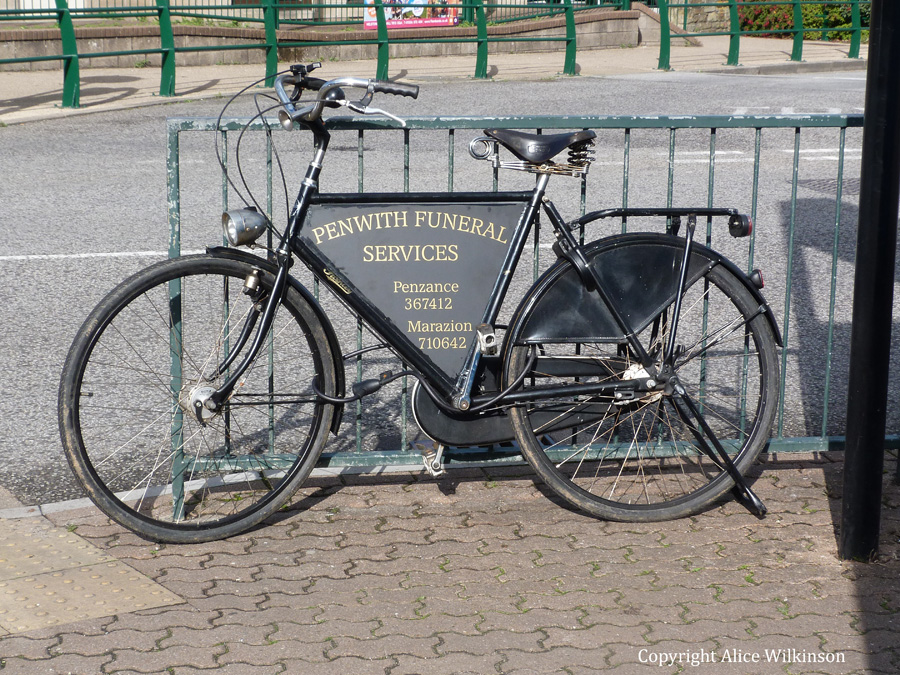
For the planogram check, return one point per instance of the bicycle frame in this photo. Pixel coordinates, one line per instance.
(453, 391)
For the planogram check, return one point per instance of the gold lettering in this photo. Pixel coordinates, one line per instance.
(318, 232)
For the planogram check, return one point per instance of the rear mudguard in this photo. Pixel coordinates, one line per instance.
(272, 268)
(640, 272)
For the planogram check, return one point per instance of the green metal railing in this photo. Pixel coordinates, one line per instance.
(272, 15)
(798, 32)
(769, 196)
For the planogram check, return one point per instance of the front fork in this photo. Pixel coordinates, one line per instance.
(211, 404)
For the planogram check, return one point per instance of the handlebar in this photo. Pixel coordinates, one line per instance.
(330, 94)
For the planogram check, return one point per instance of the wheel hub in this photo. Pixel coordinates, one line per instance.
(195, 402)
(637, 372)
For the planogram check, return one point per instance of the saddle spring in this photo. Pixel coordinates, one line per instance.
(582, 154)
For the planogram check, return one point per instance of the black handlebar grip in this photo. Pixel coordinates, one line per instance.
(396, 88)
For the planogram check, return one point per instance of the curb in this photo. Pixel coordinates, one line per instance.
(793, 67)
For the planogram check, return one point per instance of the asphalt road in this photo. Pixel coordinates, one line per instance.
(84, 205)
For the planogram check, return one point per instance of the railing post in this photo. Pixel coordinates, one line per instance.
(270, 21)
(873, 289)
(856, 34)
(734, 44)
(626, 5)
(571, 46)
(797, 52)
(384, 55)
(71, 76)
(481, 55)
(167, 44)
(665, 36)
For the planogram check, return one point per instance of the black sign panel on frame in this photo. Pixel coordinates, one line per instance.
(429, 266)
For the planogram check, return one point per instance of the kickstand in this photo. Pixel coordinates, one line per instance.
(741, 490)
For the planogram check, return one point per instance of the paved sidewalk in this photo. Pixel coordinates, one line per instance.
(36, 95)
(482, 573)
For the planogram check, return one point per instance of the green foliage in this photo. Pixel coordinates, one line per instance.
(760, 16)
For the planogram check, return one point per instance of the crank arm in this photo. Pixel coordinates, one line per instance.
(741, 489)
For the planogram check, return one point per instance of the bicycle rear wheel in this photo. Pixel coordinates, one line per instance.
(641, 459)
(125, 407)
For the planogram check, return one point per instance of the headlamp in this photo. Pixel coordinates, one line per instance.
(243, 226)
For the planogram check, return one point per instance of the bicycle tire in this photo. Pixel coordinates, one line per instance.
(125, 417)
(637, 460)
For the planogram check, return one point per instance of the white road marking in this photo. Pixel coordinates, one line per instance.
(85, 256)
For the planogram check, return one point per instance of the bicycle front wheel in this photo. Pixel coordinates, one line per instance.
(129, 390)
(646, 458)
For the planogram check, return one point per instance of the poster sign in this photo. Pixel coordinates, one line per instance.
(428, 267)
(413, 13)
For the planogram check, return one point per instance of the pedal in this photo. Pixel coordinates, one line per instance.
(487, 339)
(432, 457)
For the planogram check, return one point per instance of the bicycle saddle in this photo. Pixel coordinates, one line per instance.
(535, 147)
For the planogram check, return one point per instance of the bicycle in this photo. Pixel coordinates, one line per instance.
(638, 375)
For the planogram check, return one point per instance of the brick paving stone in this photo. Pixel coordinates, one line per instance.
(320, 632)
(555, 660)
(595, 635)
(158, 660)
(404, 603)
(94, 644)
(531, 620)
(729, 611)
(737, 630)
(430, 625)
(451, 664)
(805, 624)
(271, 616)
(384, 646)
(357, 665)
(626, 614)
(276, 655)
(26, 647)
(228, 669)
(490, 643)
(877, 640)
(212, 636)
(224, 602)
(67, 663)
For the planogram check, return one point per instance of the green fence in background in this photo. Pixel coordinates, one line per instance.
(271, 15)
(791, 18)
(708, 142)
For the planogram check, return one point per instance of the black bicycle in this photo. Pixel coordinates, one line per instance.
(638, 375)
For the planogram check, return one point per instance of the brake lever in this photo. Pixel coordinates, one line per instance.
(363, 110)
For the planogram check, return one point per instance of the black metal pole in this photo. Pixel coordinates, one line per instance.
(870, 338)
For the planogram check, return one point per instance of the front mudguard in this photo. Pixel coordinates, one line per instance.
(331, 336)
(639, 272)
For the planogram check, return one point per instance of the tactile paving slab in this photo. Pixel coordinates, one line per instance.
(49, 576)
